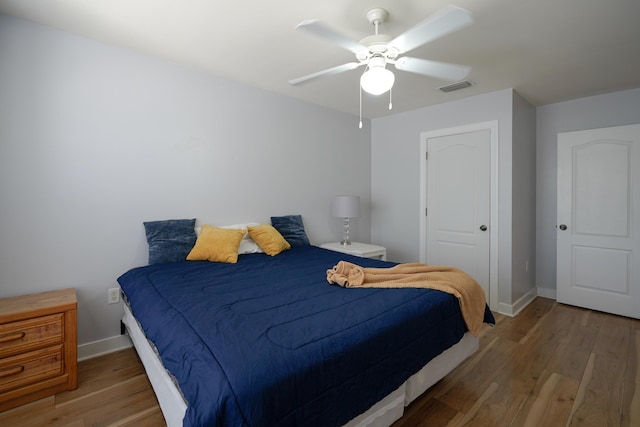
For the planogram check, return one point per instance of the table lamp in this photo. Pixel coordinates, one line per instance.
(346, 207)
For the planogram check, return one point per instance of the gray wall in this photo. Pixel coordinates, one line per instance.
(613, 109)
(524, 199)
(395, 174)
(94, 140)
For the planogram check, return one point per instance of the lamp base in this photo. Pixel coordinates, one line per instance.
(345, 233)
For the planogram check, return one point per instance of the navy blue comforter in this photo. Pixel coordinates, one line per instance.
(268, 342)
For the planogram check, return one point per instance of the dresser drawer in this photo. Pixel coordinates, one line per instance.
(38, 346)
(24, 335)
(31, 367)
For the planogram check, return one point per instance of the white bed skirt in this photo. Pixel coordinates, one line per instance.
(382, 414)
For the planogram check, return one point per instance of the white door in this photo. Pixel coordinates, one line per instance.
(598, 237)
(459, 202)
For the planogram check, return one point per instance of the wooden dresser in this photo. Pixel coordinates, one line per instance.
(38, 346)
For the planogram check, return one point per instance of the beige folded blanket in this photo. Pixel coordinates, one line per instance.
(416, 275)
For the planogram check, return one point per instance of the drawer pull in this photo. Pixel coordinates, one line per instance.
(12, 336)
(11, 371)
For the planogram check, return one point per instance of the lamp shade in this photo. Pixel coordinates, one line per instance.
(377, 80)
(345, 207)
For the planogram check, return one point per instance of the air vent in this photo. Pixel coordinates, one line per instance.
(456, 86)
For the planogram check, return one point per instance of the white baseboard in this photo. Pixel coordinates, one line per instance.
(512, 310)
(105, 346)
(547, 293)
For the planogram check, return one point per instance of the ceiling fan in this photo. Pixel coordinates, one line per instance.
(378, 50)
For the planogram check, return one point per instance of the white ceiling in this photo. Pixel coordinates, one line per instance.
(547, 50)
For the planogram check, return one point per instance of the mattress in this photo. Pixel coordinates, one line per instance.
(267, 341)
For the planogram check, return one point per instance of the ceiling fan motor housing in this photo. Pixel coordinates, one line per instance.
(378, 45)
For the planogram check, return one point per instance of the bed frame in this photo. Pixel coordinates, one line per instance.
(383, 413)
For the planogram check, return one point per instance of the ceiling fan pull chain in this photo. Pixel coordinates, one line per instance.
(360, 125)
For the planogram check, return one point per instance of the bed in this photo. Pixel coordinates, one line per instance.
(260, 338)
(266, 341)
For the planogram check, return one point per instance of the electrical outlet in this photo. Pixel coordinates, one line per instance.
(113, 295)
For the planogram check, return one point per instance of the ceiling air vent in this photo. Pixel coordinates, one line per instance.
(455, 86)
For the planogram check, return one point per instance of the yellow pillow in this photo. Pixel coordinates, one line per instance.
(217, 244)
(269, 239)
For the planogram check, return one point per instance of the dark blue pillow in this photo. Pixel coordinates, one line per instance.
(291, 228)
(170, 240)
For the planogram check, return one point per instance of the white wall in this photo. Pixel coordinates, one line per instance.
(95, 139)
(524, 200)
(395, 174)
(613, 109)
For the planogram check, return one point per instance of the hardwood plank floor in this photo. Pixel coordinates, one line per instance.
(552, 365)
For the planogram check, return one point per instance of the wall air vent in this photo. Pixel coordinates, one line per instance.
(455, 86)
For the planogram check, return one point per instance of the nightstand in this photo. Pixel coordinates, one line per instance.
(38, 346)
(364, 250)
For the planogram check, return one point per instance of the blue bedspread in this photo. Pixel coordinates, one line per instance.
(268, 342)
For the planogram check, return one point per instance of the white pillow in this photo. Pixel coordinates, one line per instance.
(247, 245)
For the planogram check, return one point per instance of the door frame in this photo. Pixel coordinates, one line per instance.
(492, 126)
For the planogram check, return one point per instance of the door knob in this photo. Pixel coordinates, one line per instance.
(483, 228)
(563, 227)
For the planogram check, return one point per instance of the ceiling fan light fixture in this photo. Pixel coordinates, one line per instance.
(377, 80)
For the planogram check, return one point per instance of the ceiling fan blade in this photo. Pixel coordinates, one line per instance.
(319, 29)
(328, 72)
(447, 20)
(441, 70)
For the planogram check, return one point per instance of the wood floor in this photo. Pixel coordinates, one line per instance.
(552, 365)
